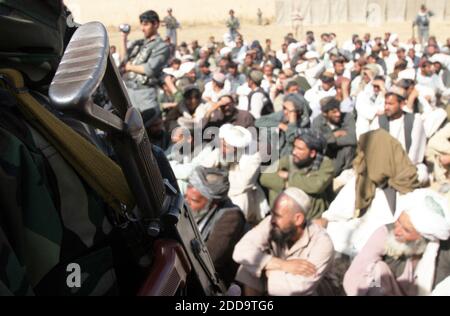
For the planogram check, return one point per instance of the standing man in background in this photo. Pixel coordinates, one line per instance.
(423, 24)
(145, 60)
(260, 20)
(171, 24)
(297, 22)
(233, 25)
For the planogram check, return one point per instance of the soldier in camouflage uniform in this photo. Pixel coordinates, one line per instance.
(146, 59)
(172, 25)
(50, 218)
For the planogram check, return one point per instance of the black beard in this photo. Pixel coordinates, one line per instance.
(303, 163)
(282, 238)
(338, 123)
(230, 115)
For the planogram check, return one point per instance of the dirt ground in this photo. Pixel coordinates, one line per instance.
(277, 32)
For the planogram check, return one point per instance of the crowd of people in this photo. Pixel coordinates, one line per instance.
(317, 168)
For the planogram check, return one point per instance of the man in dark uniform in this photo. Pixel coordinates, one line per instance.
(146, 59)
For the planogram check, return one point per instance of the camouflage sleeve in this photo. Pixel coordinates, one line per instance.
(13, 279)
(30, 220)
(39, 236)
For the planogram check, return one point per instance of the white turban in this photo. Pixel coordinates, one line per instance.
(428, 212)
(225, 51)
(235, 136)
(187, 58)
(440, 58)
(409, 74)
(301, 68)
(312, 55)
(328, 46)
(186, 68)
(292, 49)
(171, 71)
(406, 47)
(393, 38)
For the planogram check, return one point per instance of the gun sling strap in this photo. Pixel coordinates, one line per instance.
(98, 170)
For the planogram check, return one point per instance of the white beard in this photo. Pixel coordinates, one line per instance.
(397, 249)
(224, 163)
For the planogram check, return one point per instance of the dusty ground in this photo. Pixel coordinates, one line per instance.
(277, 32)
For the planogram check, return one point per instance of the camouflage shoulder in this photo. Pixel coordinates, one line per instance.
(13, 275)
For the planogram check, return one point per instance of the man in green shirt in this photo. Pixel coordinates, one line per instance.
(307, 169)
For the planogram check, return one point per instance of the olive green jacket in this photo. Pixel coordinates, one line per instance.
(316, 183)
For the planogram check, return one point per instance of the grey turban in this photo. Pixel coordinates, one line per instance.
(299, 101)
(315, 141)
(212, 183)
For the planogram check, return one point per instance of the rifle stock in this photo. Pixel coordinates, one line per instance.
(161, 212)
(165, 212)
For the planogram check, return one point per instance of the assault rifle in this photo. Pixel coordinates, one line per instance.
(171, 244)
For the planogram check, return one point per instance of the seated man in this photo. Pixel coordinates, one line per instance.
(220, 222)
(343, 95)
(322, 89)
(185, 154)
(237, 154)
(225, 112)
(295, 114)
(236, 79)
(280, 89)
(186, 75)
(400, 259)
(284, 254)
(405, 127)
(217, 87)
(190, 107)
(340, 132)
(370, 101)
(427, 77)
(259, 102)
(154, 126)
(370, 198)
(307, 169)
(438, 153)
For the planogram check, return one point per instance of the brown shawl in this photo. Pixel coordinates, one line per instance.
(380, 161)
